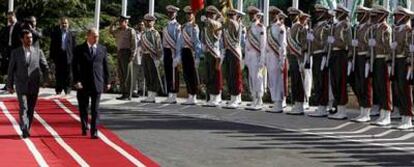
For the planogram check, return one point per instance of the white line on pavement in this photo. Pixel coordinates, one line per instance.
(39, 158)
(61, 142)
(103, 137)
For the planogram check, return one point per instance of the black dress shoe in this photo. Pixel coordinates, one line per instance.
(135, 95)
(84, 132)
(123, 98)
(94, 134)
(25, 134)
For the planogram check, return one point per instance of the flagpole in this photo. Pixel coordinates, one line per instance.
(97, 13)
(11, 5)
(151, 7)
(295, 4)
(240, 5)
(266, 12)
(124, 7)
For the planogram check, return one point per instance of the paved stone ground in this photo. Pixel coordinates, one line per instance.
(177, 135)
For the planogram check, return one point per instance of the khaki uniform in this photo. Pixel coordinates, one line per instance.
(212, 43)
(126, 43)
(401, 89)
(380, 78)
(232, 39)
(296, 40)
(320, 91)
(338, 61)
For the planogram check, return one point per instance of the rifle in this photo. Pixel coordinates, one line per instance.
(371, 51)
(412, 54)
(355, 28)
(308, 53)
(393, 53)
(331, 33)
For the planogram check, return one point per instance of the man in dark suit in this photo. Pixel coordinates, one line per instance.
(27, 65)
(91, 78)
(61, 52)
(10, 40)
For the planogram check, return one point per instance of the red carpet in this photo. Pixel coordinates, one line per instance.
(56, 135)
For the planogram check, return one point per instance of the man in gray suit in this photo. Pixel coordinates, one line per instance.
(26, 66)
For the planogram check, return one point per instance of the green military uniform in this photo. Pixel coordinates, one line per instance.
(152, 53)
(381, 34)
(126, 45)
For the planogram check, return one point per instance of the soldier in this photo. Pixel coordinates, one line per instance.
(232, 39)
(320, 91)
(295, 39)
(188, 53)
(125, 38)
(340, 41)
(151, 57)
(212, 43)
(170, 37)
(401, 64)
(380, 40)
(255, 57)
(276, 55)
(360, 82)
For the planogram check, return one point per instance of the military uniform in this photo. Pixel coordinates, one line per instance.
(126, 47)
(275, 60)
(338, 61)
(320, 90)
(213, 57)
(296, 40)
(170, 36)
(151, 57)
(380, 40)
(401, 88)
(188, 52)
(232, 40)
(255, 60)
(359, 80)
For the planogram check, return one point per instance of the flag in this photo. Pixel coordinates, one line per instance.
(197, 5)
(225, 5)
(328, 3)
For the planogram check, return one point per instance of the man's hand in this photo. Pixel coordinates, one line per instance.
(10, 90)
(78, 86)
(107, 87)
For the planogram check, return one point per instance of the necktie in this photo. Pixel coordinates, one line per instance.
(91, 50)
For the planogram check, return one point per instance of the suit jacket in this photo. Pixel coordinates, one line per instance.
(91, 70)
(56, 46)
(15, 36)
(26, 73)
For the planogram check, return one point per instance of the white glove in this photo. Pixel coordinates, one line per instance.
(409, 74)
(203, 18)
(372, 42)
(389, 68)
(394, 45)
(197, 62)
(349, 68)
(78, 86)
(157, 63)
(366, 69)
(411, 48)
(354, 43)
(175, 63)
(323, 63)
(310, 37)
(331, 39)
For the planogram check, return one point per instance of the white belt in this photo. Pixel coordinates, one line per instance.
(381, 56)
(318, 51)
(400, 56)
(362, 53)
(336, 49)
